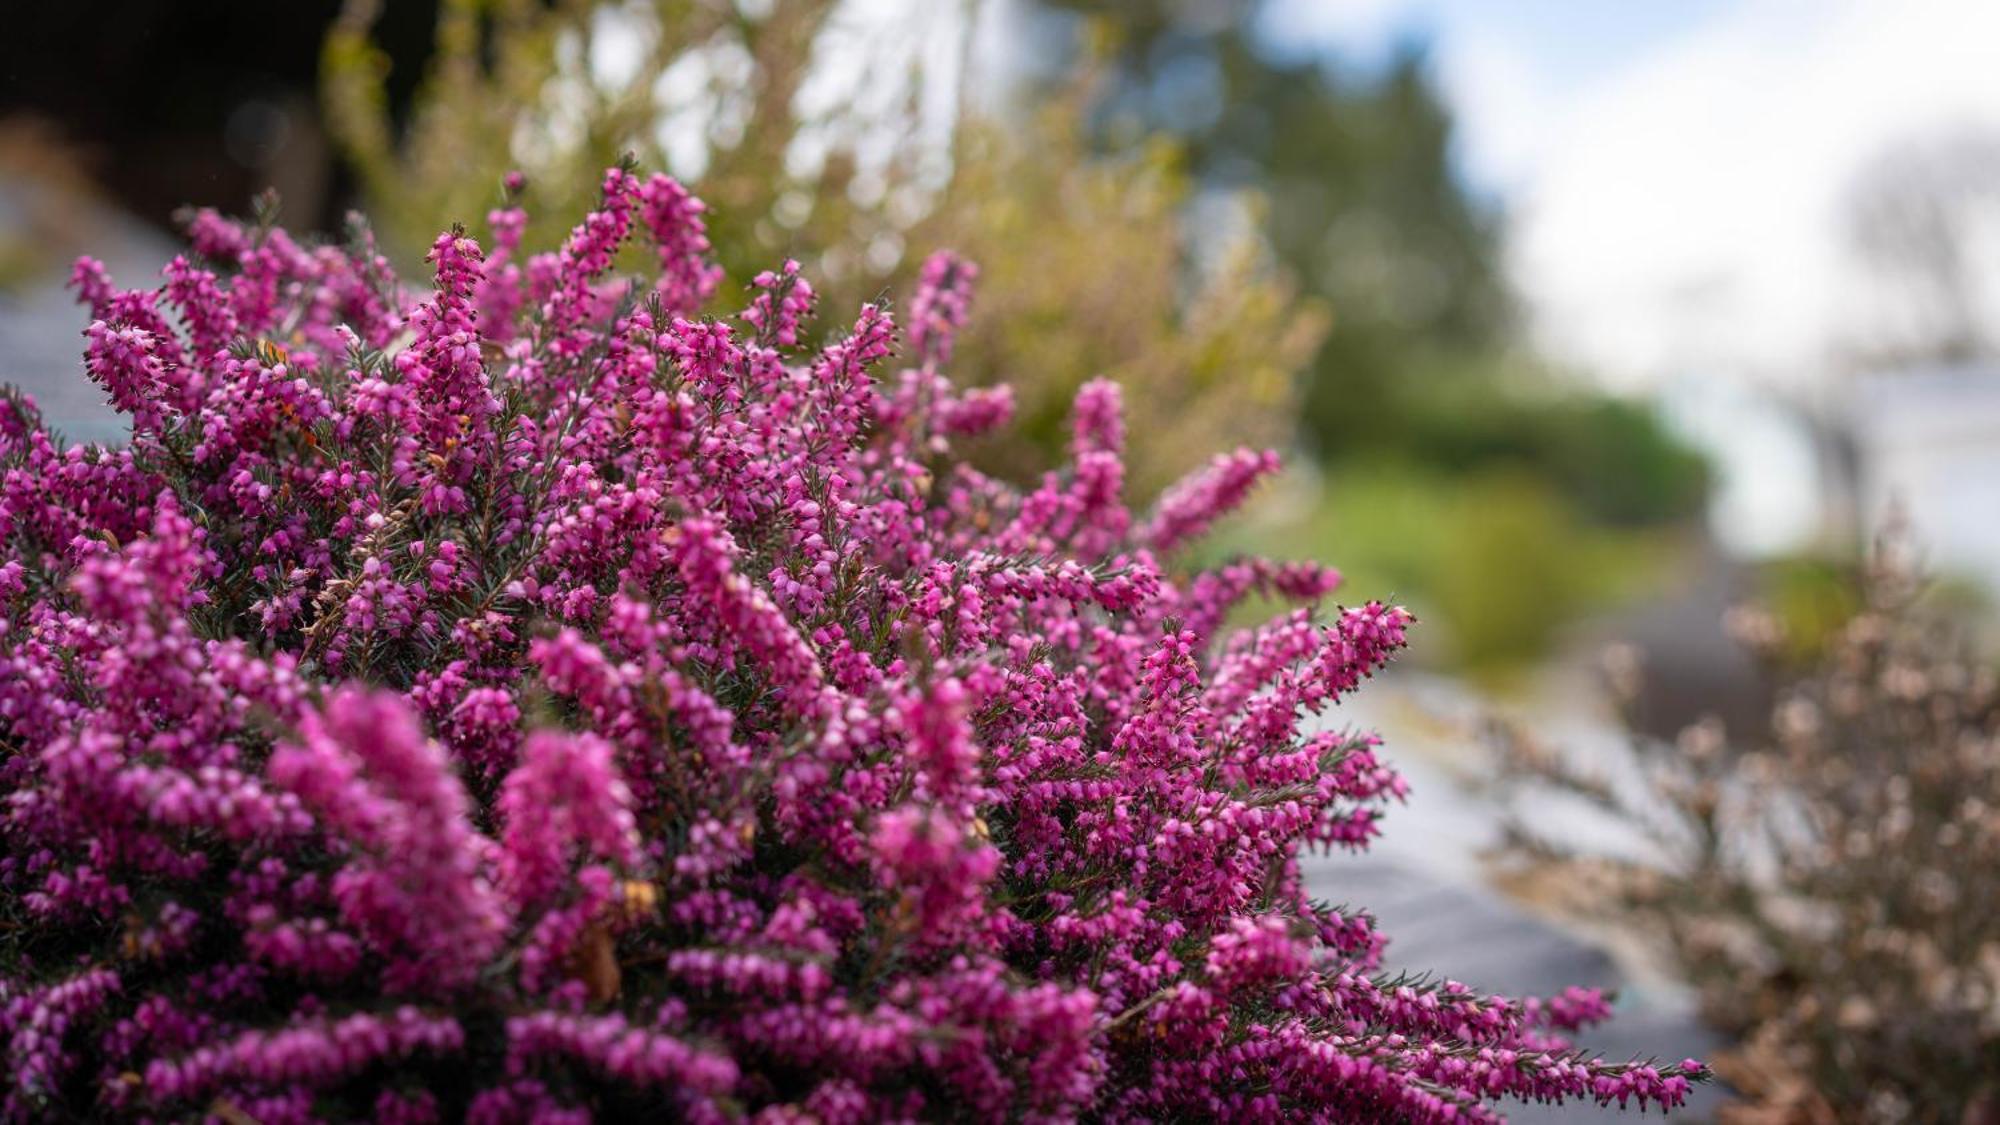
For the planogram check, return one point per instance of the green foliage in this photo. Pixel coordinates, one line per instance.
(1611, 458)
(1496, 564)
(511, 86)
(1082, 274)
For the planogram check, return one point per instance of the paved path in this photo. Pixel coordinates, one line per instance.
(41, 325)
(1473, 935)
(1425, 882)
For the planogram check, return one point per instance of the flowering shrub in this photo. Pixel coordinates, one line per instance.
(521, 702)
(1827, 885)
(1087, 255)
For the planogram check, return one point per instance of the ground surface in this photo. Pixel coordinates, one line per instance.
(1425, 880)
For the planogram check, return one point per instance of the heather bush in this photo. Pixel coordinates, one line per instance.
(1827, 885)
(518, 701)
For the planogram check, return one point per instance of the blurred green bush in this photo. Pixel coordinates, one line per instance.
(1609, 457)
(1495, 563)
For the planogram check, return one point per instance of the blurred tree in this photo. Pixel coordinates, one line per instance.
(1923, 220)
(1521, 499)
(811, 137)
(1364, 206)
(1367, 210)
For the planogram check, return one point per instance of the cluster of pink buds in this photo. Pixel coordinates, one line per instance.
(535, 698)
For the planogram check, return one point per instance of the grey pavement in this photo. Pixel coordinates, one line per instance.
(1425, 881)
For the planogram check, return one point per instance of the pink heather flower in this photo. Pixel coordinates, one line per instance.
(941, 871)
(1256, 952)
(975, 412)
(784, 300)
(945, 755)
(93, 286)
(450, 401)
(1189, 507)
(126, 362)
(35, 1024)
(416, 885)
(566, 794)
(939, 308)
(748, 625)
(523, 700)
(307, 1053)
(673, 216)
(218, 239)
(443, 365)
(211, 324)
(642, 1059)
(1098, 421)
(501, 289)
(584, 257)
(1572, 1009)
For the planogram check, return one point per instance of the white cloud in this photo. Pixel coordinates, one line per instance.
(1318, 24)
(1507, 110)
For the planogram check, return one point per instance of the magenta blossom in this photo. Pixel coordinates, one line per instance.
(524, 699)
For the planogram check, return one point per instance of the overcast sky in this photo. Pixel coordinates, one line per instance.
(1673, 168)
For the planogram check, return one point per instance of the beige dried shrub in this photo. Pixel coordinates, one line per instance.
(1831, 886)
